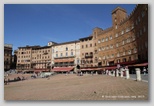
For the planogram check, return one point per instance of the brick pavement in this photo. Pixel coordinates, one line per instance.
(72, 87)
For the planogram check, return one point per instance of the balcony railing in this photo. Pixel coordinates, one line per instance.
(60, 57)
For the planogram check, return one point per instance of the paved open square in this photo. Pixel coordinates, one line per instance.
(72, 87)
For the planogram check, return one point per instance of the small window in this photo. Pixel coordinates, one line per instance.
(133, 37)
(123, 42)
(140, 32)
(102, 39)
(144, 29)
(103, 48)
(95, 44)
(107, 47)
(129, 51)
(117, 44)
(111, 46)
(138, 19)
(118, 54)
(128, 40)
(137, 34)
(124, 53)
(122, 32)
(106, 38)
(116, 35)
(95, 51)
(78, 61)
(98, 41)
(66, 49)
(111, 37)
(116, 27)
(132, 26)
(103, 57)
(71, 53)
(127, 29)
(135, 50)
(143, 14)
(136, 22)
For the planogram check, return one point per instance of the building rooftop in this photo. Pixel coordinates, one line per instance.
(118, 8)
(27, 46)
(89, 37)
(43, 47)
(8, 45)
(67, 42)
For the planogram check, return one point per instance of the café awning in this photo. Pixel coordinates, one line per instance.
(91, 69)
(111, 68)
(62, 69)
(141, 64)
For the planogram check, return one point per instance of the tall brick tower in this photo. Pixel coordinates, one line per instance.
(118, 14)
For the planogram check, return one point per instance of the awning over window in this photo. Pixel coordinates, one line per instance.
(88, 69)
(41, 70)
(57, 60)
(143, 64)
(91, 69)
(62, 69)
(111, 68)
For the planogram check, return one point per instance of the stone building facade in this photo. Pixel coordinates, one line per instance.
(24, 57)
(89, 49)
(41, 58)
(34, 58)
(66, 54)
(45, 58)
(7, 56)
(126, 41)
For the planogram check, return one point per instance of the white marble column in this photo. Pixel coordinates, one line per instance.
(102, 72)
(113, 73)
(81, 73)
(91, 73)
(86, 73)
(138, 74)
(127, 73)
(96, 73)
(107, 72)
(121, 72)
(117, 73)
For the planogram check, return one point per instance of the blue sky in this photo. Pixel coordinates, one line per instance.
(37, 24)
